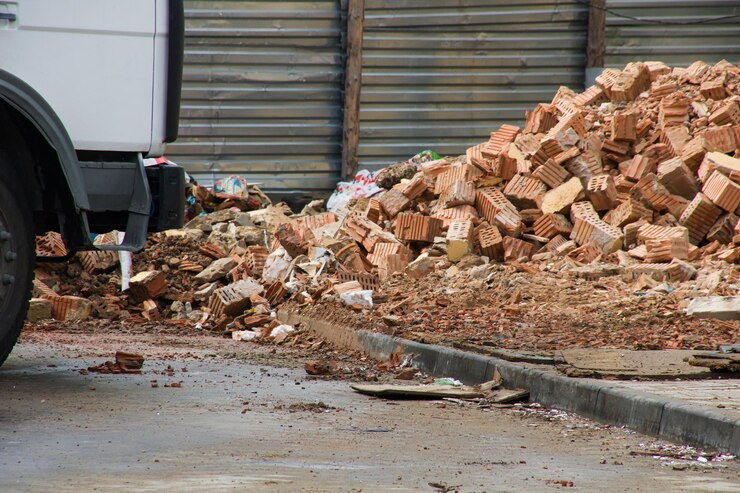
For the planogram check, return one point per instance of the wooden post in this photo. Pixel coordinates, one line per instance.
(596, 44)
(352, 88)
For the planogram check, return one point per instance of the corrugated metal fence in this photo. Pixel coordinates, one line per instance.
(264, 79)
(443, 74)
(676, 45)
(262, 93)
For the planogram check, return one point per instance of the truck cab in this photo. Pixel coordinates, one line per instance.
(88, 89)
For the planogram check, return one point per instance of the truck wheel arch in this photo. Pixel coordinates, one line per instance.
(37, 111)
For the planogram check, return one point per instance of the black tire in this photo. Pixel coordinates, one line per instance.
(17, 257)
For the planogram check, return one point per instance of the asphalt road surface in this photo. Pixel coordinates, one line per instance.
(251, 421)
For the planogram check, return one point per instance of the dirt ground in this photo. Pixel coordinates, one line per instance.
(246, 417)
(527, 308)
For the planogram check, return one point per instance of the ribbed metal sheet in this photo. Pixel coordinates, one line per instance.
(262, 93)
(676, 45)
(442, 74)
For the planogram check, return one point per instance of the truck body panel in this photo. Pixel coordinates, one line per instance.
(93, 62)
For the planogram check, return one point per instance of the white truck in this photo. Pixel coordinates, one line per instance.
(88, 88)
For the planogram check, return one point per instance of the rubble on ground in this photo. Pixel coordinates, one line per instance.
(596, 223)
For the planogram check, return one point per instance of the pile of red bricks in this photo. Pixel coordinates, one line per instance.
(643, 164)
(640, 171)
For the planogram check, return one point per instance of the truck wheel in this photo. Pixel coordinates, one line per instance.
(17, 256)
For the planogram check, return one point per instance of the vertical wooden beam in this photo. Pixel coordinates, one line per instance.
(596, 44)
(352, 88)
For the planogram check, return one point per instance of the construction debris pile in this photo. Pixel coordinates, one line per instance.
(637, 176)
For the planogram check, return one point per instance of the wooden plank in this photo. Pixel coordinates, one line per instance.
(596, 44)
(418, 391)
(352, 88)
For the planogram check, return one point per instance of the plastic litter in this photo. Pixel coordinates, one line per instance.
(360, 299)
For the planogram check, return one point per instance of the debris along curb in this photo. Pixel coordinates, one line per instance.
(600, 400)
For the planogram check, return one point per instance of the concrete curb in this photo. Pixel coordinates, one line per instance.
(599, 400)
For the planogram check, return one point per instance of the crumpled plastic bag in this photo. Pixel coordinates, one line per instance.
(364, 185)
(360, 299)
(276, 266)
(280, 330)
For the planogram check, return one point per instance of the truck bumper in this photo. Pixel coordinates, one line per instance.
(131, 197)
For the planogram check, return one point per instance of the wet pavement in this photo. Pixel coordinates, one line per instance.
(239, 424)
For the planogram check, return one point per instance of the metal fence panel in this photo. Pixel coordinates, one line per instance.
(442, 74)
(262, 94)
(681, 44)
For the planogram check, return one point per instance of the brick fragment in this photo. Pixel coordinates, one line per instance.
(551, 173)
(464, 172)
(666, 249)
(525, 192)
(605, 81)
(499, 139)
(589, 230)
(585, 166)
(586, 253)
(677, 178)
(627, 212)
(639, 166)
(602, 192)
(365, 232)
(233, 299)
(515, 249)
(634, 79)
(699, 217)
(693, 152)
(722, 191)
(656, 69)
(391, 264)
(583, 210)
(496, 208)
(473, 155)
(70, 308)
(552, 225)
(458, 193)
(147, 285)
(727, 165)
(374, 211)
(412, 227)
(459, 239)
(413, 188)
(623, 184)
(559, 199)
(351, 258)
(541, 119)
(722, 230)
(458, 212)
(660, 272)
(658, 196)
(491, 243)
(254, 259)
(592, 95)
(289, 237)
(385, 249)
(653, 232)
(728, 112)
(673, 111)
(675, 138)
(394, 201)
(659, 89)
(721, 139)
(630, 232)
(713, 89)
(555, 243)
(624, 126)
